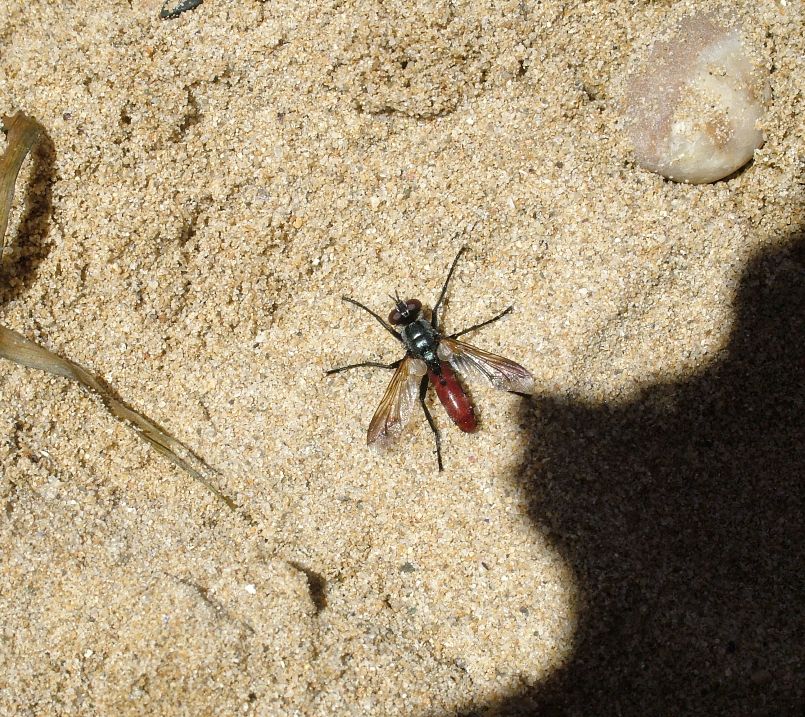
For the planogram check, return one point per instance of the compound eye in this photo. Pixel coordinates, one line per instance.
(394, 318)
(414, 305)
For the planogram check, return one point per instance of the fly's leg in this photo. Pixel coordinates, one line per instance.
(423, 389)
(373, 364)
(367, 309)
(482, 324)
(435, 312)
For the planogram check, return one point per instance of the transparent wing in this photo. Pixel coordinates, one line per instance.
(396, 406)
(500, 372)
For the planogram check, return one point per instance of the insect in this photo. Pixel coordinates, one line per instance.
(430, 357)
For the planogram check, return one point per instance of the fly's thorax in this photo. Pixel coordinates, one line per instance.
(421, 340)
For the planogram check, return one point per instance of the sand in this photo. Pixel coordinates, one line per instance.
(629, 541)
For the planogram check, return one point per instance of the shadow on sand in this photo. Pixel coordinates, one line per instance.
(681, 514)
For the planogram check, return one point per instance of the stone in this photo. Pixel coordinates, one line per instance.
(694, 107)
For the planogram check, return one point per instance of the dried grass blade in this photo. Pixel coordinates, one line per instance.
(23, 132)
(17, 348)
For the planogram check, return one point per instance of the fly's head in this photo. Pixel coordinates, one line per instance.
(405, 312)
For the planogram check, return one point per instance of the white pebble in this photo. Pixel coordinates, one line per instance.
(693, 109)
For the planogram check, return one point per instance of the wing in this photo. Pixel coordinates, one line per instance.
(500, 372)
(394, 411)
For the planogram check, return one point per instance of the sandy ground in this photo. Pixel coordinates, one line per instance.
(627, 542)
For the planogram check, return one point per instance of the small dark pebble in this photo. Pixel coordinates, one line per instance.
(407, 568)
(171, 8)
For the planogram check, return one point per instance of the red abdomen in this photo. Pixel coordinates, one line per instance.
(453, 398)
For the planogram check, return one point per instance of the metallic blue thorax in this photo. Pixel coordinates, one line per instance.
(421, 340)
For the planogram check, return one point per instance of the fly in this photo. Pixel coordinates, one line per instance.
(430, 357)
